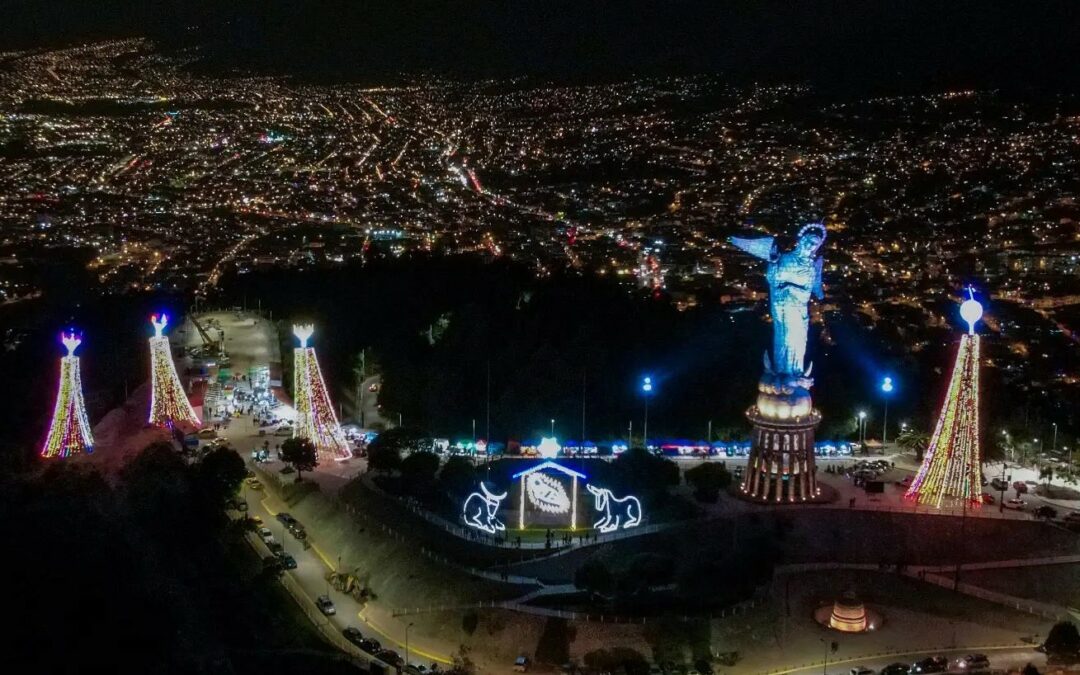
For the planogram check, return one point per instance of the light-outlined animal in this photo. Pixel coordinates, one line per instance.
(480, 509)
(619, 512)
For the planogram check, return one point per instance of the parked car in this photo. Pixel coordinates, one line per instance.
(988, 498)
(297, 530)
(285, 519)
(1020, 487)
(254, 484)
(521, 664)
(266, 535)
(369, 645)
(287, 561)
(1015, 503)
(973, 663)
(861, 670)
(895, 669)
(999, 484)
(1045, 512)
(931, 664)
(276, 548)
(325, 605)
(353, 635)
(391, 657)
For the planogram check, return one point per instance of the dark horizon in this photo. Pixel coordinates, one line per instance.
(853, 47)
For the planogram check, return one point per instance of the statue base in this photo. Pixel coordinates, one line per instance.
(780, 468)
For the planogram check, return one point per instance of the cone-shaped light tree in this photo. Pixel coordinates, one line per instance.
(169, 404)
(69, 432)
(315, 417)
(951, 471)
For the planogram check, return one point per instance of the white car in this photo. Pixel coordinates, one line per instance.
(266, 535)
(1015, 504)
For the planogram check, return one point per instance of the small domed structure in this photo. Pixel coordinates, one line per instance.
(848, 614)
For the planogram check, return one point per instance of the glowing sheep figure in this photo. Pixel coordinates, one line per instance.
(480, 509)
(618, 512)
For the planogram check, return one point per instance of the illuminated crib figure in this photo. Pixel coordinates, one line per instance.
(169, 404)
(69, 432)
(619, 512)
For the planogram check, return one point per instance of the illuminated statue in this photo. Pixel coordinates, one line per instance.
(793, 277)
(781, 463)
(169, 404)
(69, 432)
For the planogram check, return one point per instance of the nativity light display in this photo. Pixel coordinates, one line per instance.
(169, 404)
(69, 431)
(315, 416)
(951, 468)
(551, 488)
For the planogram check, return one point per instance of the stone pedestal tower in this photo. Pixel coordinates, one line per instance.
(781, 464)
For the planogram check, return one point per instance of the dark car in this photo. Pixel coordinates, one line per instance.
(353, 635)
(287, 561)
(931, 664)
(276, 548)
(369, 645)
(391, 657)
(895, 669)
(285, 519)
(1045, 512)
(297, 530)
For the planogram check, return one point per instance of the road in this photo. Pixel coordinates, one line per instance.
(312, 566)
(250, 342)
(1001, 658)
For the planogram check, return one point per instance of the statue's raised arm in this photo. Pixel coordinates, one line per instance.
(759, 247)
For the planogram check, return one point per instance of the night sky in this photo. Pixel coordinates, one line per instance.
(844, 46)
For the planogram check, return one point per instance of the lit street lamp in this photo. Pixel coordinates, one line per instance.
(862, 426)
(646, 389)
(886, 390)
(553, 427)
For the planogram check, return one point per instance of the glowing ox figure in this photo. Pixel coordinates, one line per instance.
(480, 509)
(624, 512)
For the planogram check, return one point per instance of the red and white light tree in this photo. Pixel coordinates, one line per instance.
(169, 404)
(951, 471)
(69, 432)
(315, 417)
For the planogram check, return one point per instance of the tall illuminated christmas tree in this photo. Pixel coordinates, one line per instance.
(951, 471)
(69, 432)
(315, 418)
(169, 404)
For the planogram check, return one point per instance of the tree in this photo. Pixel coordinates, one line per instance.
(386, 451)
(595, 577)
(299, 453)
(1029, 669)
(1063, 643)
(708, 480)
(458, 477)
(914, 441)
(419, 469)
(219, 474)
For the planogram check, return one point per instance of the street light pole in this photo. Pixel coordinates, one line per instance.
(553, 427)
(1054, 445)
(407, 627)
(646, 389)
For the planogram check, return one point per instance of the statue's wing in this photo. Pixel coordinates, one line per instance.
(818, 290)
(759, 247)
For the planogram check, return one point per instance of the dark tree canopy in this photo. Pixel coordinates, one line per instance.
(386, 451)
(1063, 642)
(708, 480)
(300, 454)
